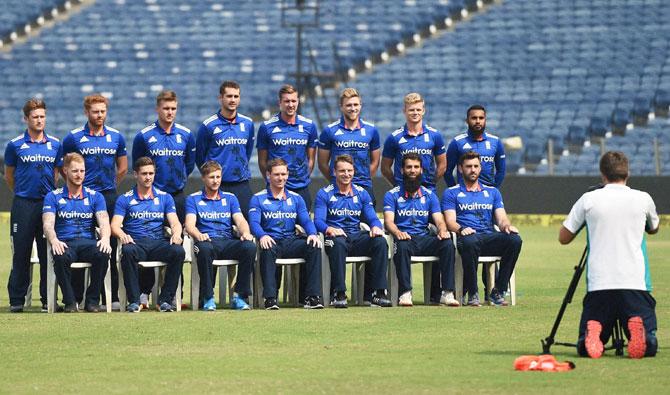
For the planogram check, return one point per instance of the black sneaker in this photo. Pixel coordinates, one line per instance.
(70, 308)
(93, 308)
(339, 300)
(271, 304)
(496, 298)
(57, 309)
(379, 300)
(16, 309)
(313, 302)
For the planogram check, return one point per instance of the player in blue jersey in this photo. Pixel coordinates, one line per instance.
(172, 148)
(471, 210)
(32, 162)
(489, 147)
(104, 150)
(338, 211)
(228, 138)
(69, 216)
(408, 208)
(138, 223)
(273, 216)
(417, 137)
(210, 214)
(291, 137)
(352, 136)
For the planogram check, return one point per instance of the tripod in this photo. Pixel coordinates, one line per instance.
(617, 334)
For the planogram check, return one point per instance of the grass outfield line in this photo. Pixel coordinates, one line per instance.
(399, 350)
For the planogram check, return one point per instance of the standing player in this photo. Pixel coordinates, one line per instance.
(138, 220)
(293, 138)
(471, 210)
(70, 215)
(416, 137)
(351, 136)
(338, 211)
(32, 162)
(228, 138)
(172, 148)
(618, 281)
(488, 146)
(273, 215)
(210, 214)
(104, 150)
(408, 208)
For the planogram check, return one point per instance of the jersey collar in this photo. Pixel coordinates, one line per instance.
(163, 131)
(417, 194)
(68, 195)
(27, 138)
(471, 136)
(226, 120)
(343, 125)
(282, 122)
(336, 190)
(204, 195)
(88, 130)
(406, 132)
(477, 187)
(283, 196)
(152, 194)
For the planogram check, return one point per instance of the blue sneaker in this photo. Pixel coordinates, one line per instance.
(165, 307)
(133, 308)
(496, 298)
(210, 305)
(239, 303)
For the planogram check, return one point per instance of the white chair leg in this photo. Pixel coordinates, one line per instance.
(87, 282)
(158, 279)
(427, 280)
(458, 277)
(512, 288)
(358, 283)
(108, 288)
(491, 277)
(195, 285)
(325, 276)
(178, 294)
(230, 282)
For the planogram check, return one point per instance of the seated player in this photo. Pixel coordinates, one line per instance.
(471, 210)
(69, 216)
(407, 211)
(138, 223)
(338, 212)
(273, 214)
(210, 214)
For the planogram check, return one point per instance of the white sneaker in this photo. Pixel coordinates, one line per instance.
(406, 299)
(448, 299)
(144, 301)
(116, 306)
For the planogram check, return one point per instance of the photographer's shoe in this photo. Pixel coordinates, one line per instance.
(637, 344)
(592, 343)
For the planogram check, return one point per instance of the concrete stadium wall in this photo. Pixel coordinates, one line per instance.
(522, 195)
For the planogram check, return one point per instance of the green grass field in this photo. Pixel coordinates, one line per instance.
(425, 349)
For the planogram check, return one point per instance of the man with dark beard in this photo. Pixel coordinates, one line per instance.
(407, 211)
(488, 146)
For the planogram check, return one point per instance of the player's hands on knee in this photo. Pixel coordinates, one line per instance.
(402, 236)
(267, 242)
(314, 241)
(58, 247)
(468, 231)
(203, 237)
(127, 239)
(376, 231)
(104, 246)
(334, 232)
(510, 229)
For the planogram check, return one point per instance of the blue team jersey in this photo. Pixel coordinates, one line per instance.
(492, 154)
(344, 211)
(173, 153)
(34, 163)
(289, 142)
(474, 209)
(99, 152)
(277, 217)
(228, 143)
(143, 218)
(75, 215)
(428, 144)
(213, 216)
(359, 143)
(412, 213)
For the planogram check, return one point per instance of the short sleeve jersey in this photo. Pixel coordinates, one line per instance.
(492, 155)
(230, 143)
(34, 163)
(428, 144)
(99, 152)
(615, 217)
(358, 143)
(289, 142)
(173, 153)
(412, 212)
(213, 216)
(344, 211)
(474, 209)
(277, 217)
(75, 215)
(144, 217)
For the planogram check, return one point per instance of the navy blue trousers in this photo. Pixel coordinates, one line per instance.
(81, 250)
(25, 225)
(608, 306)
(360, 244)
(291, 248)
(219, 248)
(242, 191)
(471, 247)
(423, 245)
(151, 250)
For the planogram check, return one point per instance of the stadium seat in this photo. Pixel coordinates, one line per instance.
(661, 103)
